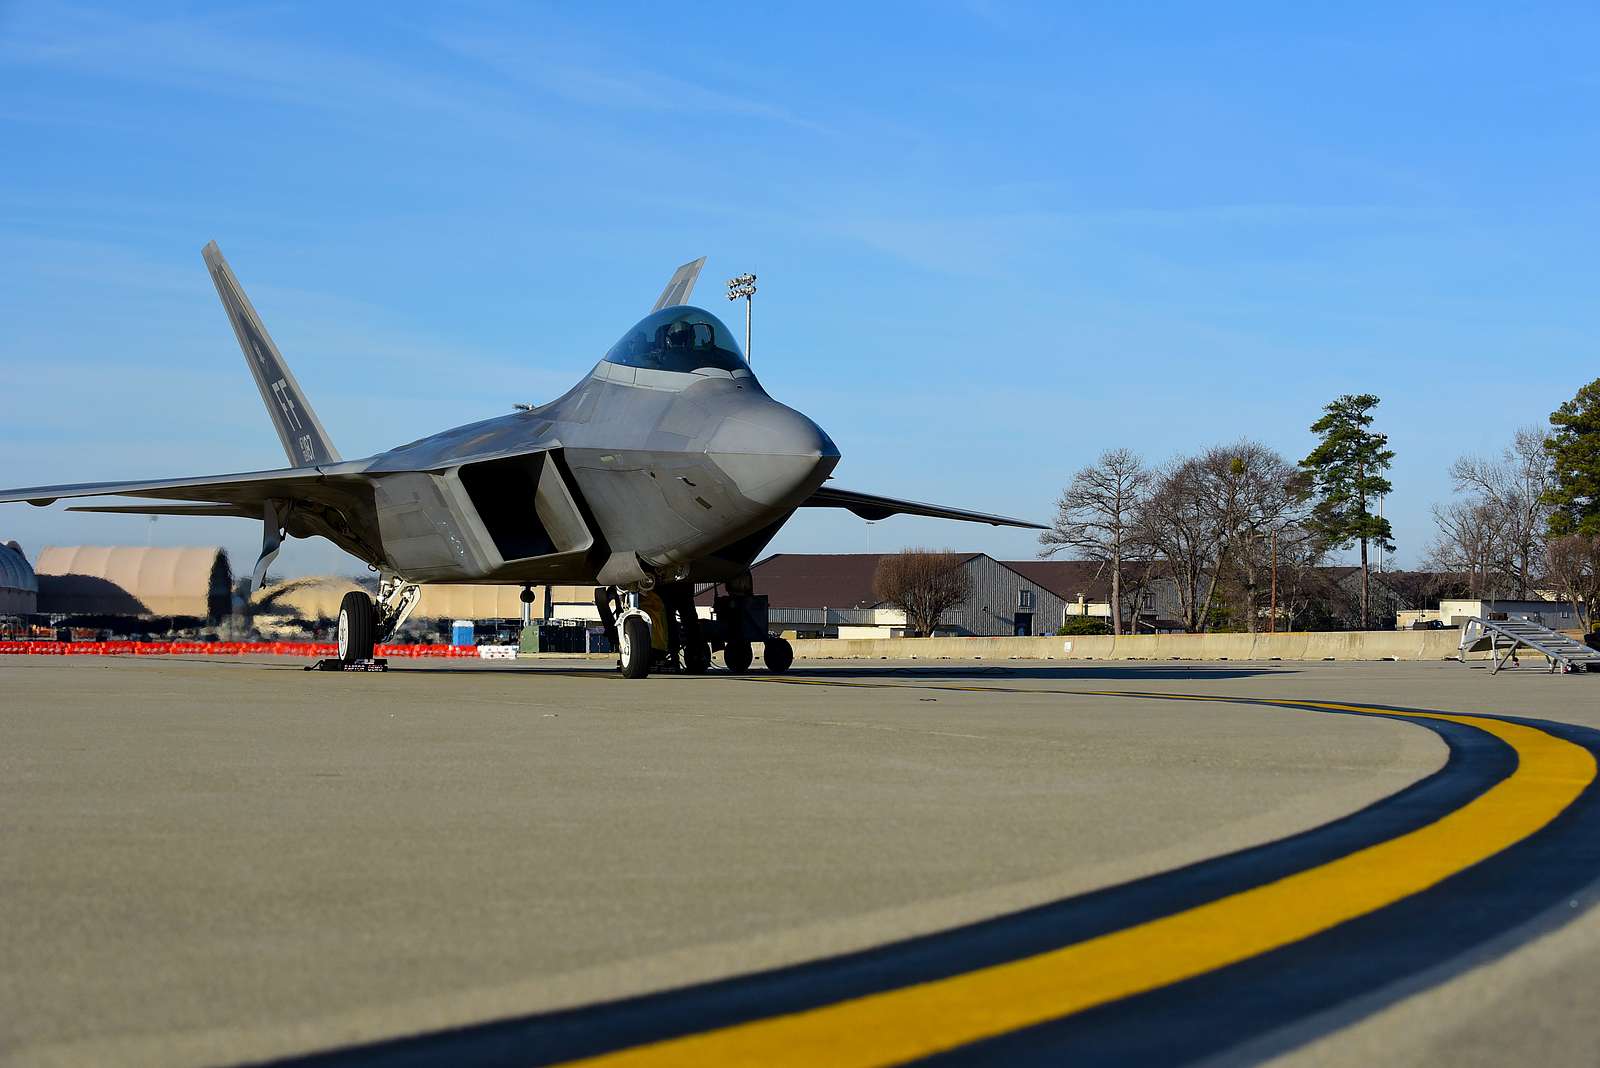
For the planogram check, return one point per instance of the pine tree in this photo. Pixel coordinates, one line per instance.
(1347, 467)
(1574, 448)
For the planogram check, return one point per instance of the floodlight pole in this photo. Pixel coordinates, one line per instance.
(1272, 612)
(744, 285)
(1380, 544)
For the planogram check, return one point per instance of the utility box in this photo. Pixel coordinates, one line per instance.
(529, 640)
(463, 632)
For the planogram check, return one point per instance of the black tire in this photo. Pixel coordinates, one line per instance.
(697, 658)
(357, 627)
(634, 647)
(737, 656)
(778, 654)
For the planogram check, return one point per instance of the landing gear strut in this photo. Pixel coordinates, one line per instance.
(657, 630)
(686, 644)
(634, 652)
(396, 599)
(660, 629)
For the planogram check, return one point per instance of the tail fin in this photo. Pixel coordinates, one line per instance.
(680, 285)
(298, 426)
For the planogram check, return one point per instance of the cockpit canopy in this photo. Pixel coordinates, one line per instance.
(679, 338)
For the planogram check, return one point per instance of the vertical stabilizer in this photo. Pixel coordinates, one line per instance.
(680, 285)
(304, 440)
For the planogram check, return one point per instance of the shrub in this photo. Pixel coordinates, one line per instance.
(1084, 625)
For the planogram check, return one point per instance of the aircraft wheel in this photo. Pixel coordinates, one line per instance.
(737, 656)
(357, 627)
(777, 655)
(634, 646)
(697, 658)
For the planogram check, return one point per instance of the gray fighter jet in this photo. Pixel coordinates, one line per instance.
(665, 467)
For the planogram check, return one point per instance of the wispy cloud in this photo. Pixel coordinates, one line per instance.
(239, 55)
(980, 244)
(593, 80)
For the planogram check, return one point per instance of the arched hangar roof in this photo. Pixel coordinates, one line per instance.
(19, 590)
(15, 571)
(318, 597)
(134, 580)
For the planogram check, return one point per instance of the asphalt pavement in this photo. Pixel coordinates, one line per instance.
(216, 861)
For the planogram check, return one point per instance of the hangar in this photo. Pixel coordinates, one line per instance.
(98, 580)
(318, 597)
(19, 588)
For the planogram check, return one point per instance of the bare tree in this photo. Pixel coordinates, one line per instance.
(1301, 583)
(1095, 517)
(1251, 492)
(924, 584)
(1470, 541)
(1213, 516)
(1515, 488)
(1575, 571)
(1178, 523)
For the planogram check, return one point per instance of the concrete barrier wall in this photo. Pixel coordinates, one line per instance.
(1332, 645)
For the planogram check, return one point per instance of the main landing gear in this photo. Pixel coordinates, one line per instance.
(364, 622)
(659, 630)
(358, 627)
(739, 620)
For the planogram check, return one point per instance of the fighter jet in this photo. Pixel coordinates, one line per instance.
(665, 468)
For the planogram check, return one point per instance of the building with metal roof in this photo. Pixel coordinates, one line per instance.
(19, 588)
(834, 595)
(123, 580)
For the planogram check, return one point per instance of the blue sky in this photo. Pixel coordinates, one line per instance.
(993, 239)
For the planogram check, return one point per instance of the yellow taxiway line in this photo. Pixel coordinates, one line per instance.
(900, 1025)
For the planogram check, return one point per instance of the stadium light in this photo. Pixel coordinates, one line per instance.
(743, 285)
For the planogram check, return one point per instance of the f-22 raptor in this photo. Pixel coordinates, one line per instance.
(667, 466)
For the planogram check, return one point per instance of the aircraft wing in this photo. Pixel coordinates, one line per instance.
(227, 511)
(297, 500)
(871, 506)
(248, 488)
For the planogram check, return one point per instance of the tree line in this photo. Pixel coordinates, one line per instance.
(1242, 532)
(1527, 523)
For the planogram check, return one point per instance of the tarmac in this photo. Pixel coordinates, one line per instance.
(226, 861)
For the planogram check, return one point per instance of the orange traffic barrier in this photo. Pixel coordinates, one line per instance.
(192, 648)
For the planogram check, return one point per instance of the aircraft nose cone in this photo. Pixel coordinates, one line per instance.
(793, 434)
(774, 454)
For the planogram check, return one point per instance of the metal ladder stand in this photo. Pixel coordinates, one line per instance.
(1564, 653)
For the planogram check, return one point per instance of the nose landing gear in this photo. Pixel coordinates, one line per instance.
(634, 652)
(656, 630)
(661, 630)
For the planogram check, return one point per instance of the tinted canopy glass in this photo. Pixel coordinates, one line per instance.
(678, 339)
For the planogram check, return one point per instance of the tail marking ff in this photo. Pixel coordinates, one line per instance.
(304, 440)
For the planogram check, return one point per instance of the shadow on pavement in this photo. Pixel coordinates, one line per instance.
(1120, 671)
(1076, 671)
